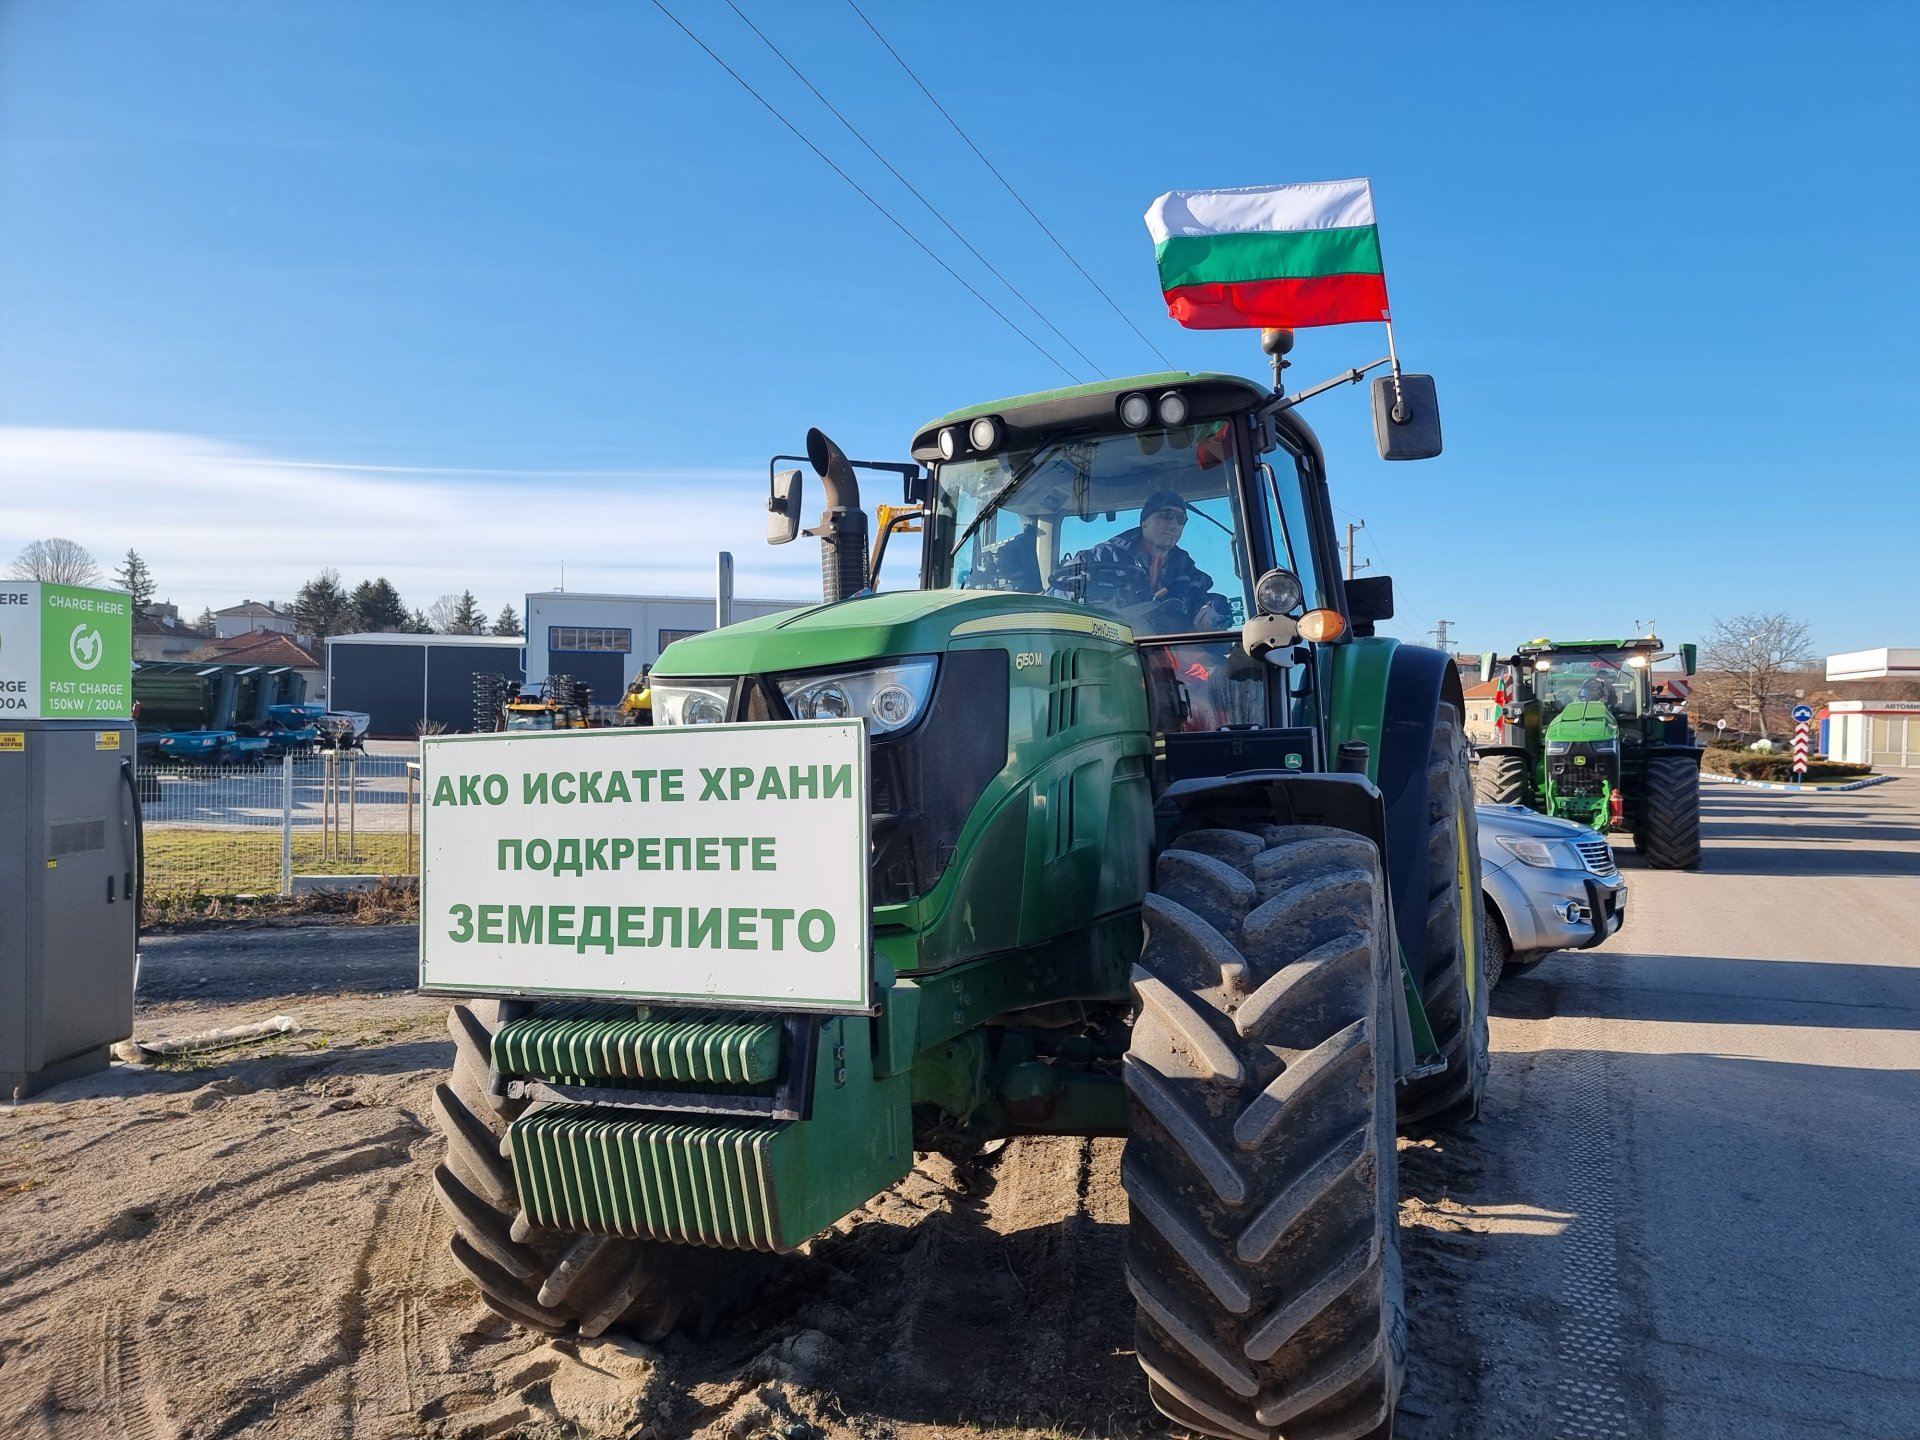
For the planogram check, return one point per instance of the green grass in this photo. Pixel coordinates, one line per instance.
(184, 861)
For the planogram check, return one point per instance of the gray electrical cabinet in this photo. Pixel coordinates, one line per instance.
(69, 908)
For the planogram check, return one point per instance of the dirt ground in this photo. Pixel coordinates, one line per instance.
(247, 1245)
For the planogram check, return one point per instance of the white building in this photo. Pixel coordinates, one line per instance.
(1869, 728)
(603, 640)
(249, 616)
(1882, 733)
(1874, 665)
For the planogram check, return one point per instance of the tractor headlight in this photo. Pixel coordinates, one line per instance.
(889, 697)
(949, 442)
(678, 704)
(1277, 592)
(1173, 409)
(1541, 854)
(1135, 410)
(984, 434)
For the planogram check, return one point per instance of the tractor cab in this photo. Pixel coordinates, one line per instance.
(1149, 504)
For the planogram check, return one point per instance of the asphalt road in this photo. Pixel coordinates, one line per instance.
(1693, 1206)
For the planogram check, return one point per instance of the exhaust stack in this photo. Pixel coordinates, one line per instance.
(843, 524)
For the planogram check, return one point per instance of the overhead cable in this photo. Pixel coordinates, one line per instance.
(1008, 184)
(886, 213)
(931, 207)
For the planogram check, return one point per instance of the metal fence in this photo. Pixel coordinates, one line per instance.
(238, 830)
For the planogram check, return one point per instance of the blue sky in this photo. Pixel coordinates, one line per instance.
(457, 292)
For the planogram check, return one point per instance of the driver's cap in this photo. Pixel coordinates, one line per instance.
(1163, 500)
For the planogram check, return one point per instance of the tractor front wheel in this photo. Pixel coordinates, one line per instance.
(543, 1279)
(1500, 780)
(1263, 1244)
(1456, 986)
(1669, 837)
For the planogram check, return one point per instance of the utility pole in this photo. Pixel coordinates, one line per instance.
(1353, 569)
(1440, 634)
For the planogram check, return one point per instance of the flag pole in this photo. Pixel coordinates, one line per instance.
(1393, 357)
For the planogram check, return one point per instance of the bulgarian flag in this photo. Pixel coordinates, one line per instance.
(1281, 256)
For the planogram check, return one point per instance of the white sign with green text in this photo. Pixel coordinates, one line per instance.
(722, 864)
(66, 653)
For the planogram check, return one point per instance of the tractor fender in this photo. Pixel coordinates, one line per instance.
(1291, 797)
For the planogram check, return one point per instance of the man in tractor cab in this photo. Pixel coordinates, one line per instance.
(1145, 569)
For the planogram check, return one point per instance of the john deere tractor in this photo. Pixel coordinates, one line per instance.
(1193, 867)
(1584, 738)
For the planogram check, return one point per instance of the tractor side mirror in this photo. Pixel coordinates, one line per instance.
(1370, 598)
(1487, 662)
(1406, 417)
(783, 508)
(1689, 657)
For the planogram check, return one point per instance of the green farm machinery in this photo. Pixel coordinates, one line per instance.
(1584, 737)
(1194, 870)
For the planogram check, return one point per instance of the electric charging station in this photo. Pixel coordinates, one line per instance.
(69, 832)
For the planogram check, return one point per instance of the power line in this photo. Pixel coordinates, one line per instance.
(1007, 183)
(914, 190)
(886, 213)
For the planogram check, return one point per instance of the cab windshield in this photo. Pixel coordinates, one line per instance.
(1607, 678)
(1145, 526)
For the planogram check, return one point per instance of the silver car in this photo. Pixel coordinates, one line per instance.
(1550, 885)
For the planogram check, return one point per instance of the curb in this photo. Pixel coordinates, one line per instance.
(1798, 789)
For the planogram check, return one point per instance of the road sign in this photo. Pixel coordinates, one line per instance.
(1800, 745)
(1802, 714)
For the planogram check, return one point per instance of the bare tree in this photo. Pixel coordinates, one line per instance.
(56, 562)
(1757, 655)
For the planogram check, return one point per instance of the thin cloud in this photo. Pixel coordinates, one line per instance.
(218, 523)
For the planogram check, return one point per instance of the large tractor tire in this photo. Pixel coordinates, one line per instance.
(540, 1278)
(1669, 836)
(1263, 1244)
(1456, 990)
(1500, 780)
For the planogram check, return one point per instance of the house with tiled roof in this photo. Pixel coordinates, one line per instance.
(251, 615)
(269, 648)
(161, 634)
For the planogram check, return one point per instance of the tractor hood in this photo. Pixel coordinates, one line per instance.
(1584, 720)
(870, 627)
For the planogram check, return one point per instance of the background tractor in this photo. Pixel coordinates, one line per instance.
(1210, 885)
(1583, 739)
(561, 703)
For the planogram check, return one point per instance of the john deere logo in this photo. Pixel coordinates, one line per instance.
(86, 646)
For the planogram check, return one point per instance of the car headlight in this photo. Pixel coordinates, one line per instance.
(888, 697)
(1543, 854)
(675, 704)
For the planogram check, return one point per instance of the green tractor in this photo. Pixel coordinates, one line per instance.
(1196, 867)
(1585, 738)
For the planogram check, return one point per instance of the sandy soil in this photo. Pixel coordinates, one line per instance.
(248, 1246)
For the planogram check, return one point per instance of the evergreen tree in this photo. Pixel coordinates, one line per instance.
(134, 578)
(322, 607)
(417, 623)
(507, 622)
(204, 621)
(377, 607)
(457, 615)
